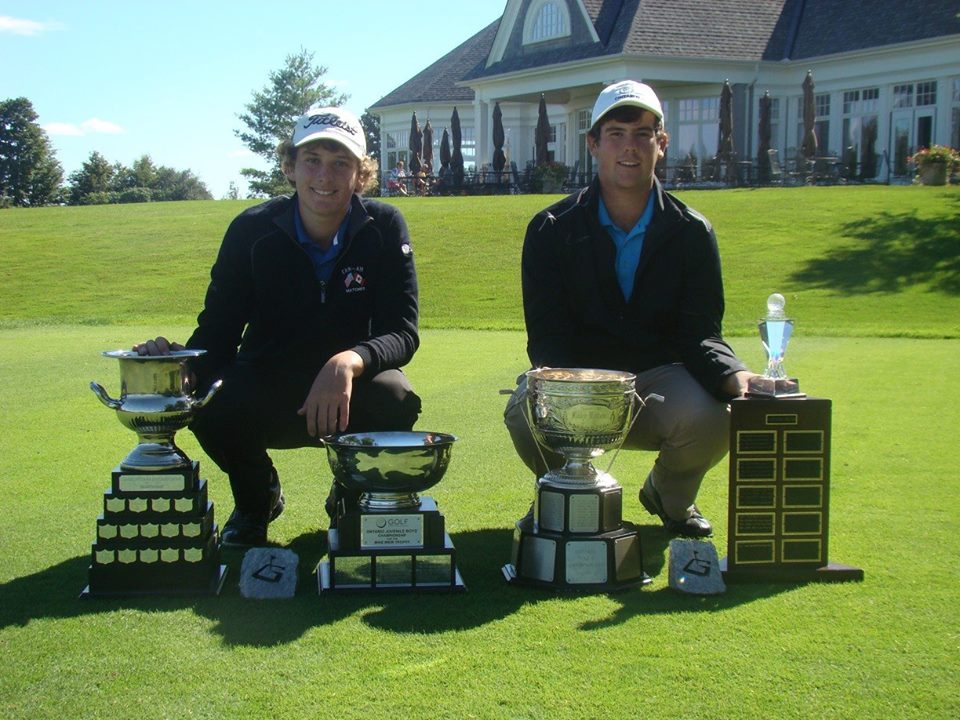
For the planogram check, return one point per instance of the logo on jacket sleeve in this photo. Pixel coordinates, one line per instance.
(354, 279)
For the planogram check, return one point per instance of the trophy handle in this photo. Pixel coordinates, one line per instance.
(206, 398)
(104, 397)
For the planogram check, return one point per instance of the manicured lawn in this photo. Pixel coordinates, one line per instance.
(872, 272)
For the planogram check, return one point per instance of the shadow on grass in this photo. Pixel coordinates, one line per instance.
(54, 593)
(891, 251)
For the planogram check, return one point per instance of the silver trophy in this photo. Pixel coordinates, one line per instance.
(575, 538)
(155, 403)
(775, 331)
(394, 538)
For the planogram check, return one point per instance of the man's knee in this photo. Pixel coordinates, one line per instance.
(384, 402)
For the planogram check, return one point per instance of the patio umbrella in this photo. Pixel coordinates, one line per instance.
(808, 148)
(456, 160)
(542, 134)
(415, 145)
(428, 147)
(725, 152)
(763, 129)
(445, 150)
(499, 159)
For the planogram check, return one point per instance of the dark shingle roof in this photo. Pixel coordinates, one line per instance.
(750, 30)
(438, 82)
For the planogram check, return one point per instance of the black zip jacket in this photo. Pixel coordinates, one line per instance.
(575, 312)
(266, 306)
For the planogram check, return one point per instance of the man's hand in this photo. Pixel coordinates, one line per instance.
(327, 407)
(735, 385)
(160, 346)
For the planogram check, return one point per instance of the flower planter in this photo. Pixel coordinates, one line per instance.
(933, 174)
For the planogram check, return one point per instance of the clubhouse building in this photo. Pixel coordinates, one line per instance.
(886, 75)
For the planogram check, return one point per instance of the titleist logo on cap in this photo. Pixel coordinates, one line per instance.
(332, 120)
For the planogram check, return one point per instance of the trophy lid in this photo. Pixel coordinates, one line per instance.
(134, 355)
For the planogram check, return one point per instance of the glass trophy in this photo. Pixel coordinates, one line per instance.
(775, 331)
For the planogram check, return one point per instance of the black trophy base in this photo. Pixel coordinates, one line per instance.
(177, 584)
(831, 572)
(389, 551)
(605, 562)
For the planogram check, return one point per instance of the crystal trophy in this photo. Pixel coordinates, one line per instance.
(775, 331)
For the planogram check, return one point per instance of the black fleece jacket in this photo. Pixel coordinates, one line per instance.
(265, 304)
(576, 314)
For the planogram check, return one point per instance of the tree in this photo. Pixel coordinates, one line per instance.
(29, 171)
(92, 179)
(371, 129)
(273, 111)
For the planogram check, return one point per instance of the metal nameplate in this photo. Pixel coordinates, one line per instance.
(152, 483)
(389, 530)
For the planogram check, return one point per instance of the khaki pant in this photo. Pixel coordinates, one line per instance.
(689, 430)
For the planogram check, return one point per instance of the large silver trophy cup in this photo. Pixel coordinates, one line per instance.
(157, 533)
(394, 538)
(154, 403)
(575, 538)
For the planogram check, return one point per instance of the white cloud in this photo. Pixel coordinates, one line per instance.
(93, 126)
(100, 127)
(19, 26)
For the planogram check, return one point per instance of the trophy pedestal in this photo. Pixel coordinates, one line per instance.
(575, 540)
(779, 493)
(390, 550)
(156, 536)
(774, 387)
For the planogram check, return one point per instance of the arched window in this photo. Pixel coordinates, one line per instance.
(546, 20)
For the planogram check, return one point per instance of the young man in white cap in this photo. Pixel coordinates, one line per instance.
(624, 276)
(312, 309)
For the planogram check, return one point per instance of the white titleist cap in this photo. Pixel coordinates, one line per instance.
(331, 123)
(629, 93)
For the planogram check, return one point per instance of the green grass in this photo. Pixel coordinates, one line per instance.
(883, 648)
(852, 261)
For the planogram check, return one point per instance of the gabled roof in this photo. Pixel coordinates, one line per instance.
(745, 30)
(438, 82)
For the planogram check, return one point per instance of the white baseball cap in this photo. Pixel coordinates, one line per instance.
(627, 92)
(331, 123)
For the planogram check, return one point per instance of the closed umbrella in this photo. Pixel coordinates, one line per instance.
(415, 145)
(499, 137)
(456, 160)
(808, 148)
(445, 150)
(725, 151)
(542, 134)
(428, 147)
(763, 129)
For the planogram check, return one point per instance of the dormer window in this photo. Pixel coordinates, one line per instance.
(546, 20)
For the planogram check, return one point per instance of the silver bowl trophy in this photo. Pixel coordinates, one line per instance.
(157, 533)
(775, 331)
(394, 539)
(575, 538)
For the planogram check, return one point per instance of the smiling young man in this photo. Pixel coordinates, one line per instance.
(624, 276)
(311, 310)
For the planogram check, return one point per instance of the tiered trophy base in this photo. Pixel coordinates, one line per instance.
(388, 551)
(156, 536)
(576, 541)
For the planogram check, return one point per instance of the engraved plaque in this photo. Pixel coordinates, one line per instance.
(391, 530)
(353, 570)
(538, 557)
(394, 570)
(149, 555)
(152, 482)
(586, 561)
(550, 512)
(584, 512)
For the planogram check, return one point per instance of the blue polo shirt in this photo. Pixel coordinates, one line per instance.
(323, 260)
(629, 244)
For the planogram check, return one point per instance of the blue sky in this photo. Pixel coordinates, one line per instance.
(168, 79)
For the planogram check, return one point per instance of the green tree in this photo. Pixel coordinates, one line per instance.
(94, 178)
(29, 171)
(272, 112)
(371, 129)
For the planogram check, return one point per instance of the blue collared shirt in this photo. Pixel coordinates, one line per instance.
(323, 260)
(629, 244)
